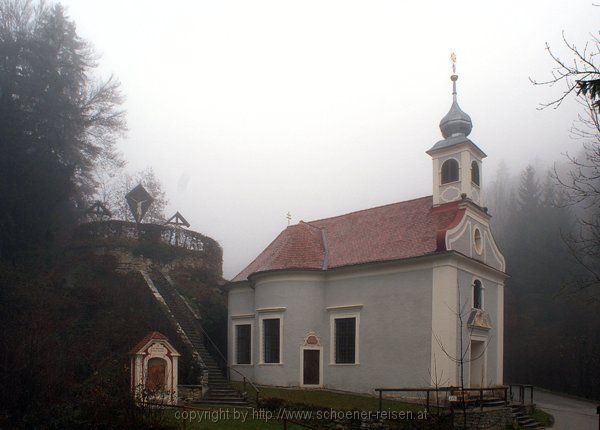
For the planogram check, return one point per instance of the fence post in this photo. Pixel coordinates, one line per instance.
(531, 395)
(522, 394)
(427, 406)
(380, 400)
(505, 395)
(481, 399)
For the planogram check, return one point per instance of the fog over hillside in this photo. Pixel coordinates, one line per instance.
(248, 110)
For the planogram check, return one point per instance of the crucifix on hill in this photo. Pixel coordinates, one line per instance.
(139, 201)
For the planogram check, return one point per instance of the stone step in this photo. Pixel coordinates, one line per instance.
(221, 402)
(493, 403)
(223, 397)
(220, 392)
(212, 368)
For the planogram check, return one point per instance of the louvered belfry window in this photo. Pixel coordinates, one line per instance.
(271, 340)
(243, 343)
(345, 340)
(449, 171)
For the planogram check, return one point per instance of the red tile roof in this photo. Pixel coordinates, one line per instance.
(392, 232)
(150, 336)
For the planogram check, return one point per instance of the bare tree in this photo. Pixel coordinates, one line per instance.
(463, 355)
(581, 76)
(582, 185)
(580, 73)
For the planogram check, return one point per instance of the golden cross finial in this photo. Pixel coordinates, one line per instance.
(453, 59)
(289, 217)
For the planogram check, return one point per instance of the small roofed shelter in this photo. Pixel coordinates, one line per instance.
(154, 369)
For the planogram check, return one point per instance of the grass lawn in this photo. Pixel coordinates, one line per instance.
(225, 423)
(544, 418)
(222, 417)
(333, 399)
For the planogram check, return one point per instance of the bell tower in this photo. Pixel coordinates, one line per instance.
(457, 161)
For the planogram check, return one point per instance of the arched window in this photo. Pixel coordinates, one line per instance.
(475, 172)
(477, 295)
(449, 171)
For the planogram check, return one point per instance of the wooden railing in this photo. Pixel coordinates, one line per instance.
(153, 233)
(521, 391)
(463, 395)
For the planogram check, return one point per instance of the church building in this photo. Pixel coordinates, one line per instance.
(390, 296)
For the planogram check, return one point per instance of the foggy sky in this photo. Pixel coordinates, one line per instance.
(250, 109)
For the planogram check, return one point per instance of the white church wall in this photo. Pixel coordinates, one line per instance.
(393, 305)
(299, 300)
(444, 324)
(395, 327)
(493, 338)
(401, 308)
(240, 308)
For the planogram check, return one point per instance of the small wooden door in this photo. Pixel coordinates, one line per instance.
(312, 367)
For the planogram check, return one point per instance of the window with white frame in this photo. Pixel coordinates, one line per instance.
(243, 344)
(271, 340)
(344, 334)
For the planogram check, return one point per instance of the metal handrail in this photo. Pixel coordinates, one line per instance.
(229, 368)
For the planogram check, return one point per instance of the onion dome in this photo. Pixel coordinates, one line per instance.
(456, 122)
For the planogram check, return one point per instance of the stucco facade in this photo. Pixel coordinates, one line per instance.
(408, 326)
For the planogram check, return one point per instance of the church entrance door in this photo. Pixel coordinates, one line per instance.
(311, 367)
(477, 364)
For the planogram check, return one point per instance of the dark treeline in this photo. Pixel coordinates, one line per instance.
(552, 324)
(57, 122)
(67, 322)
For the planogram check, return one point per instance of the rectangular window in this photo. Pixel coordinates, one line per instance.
(271, 340)
(243, 343)
(345, 340)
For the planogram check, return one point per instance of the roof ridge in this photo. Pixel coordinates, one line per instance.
(364, 210)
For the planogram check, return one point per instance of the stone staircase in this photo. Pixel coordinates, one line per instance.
(189, 328)
(521, 416)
